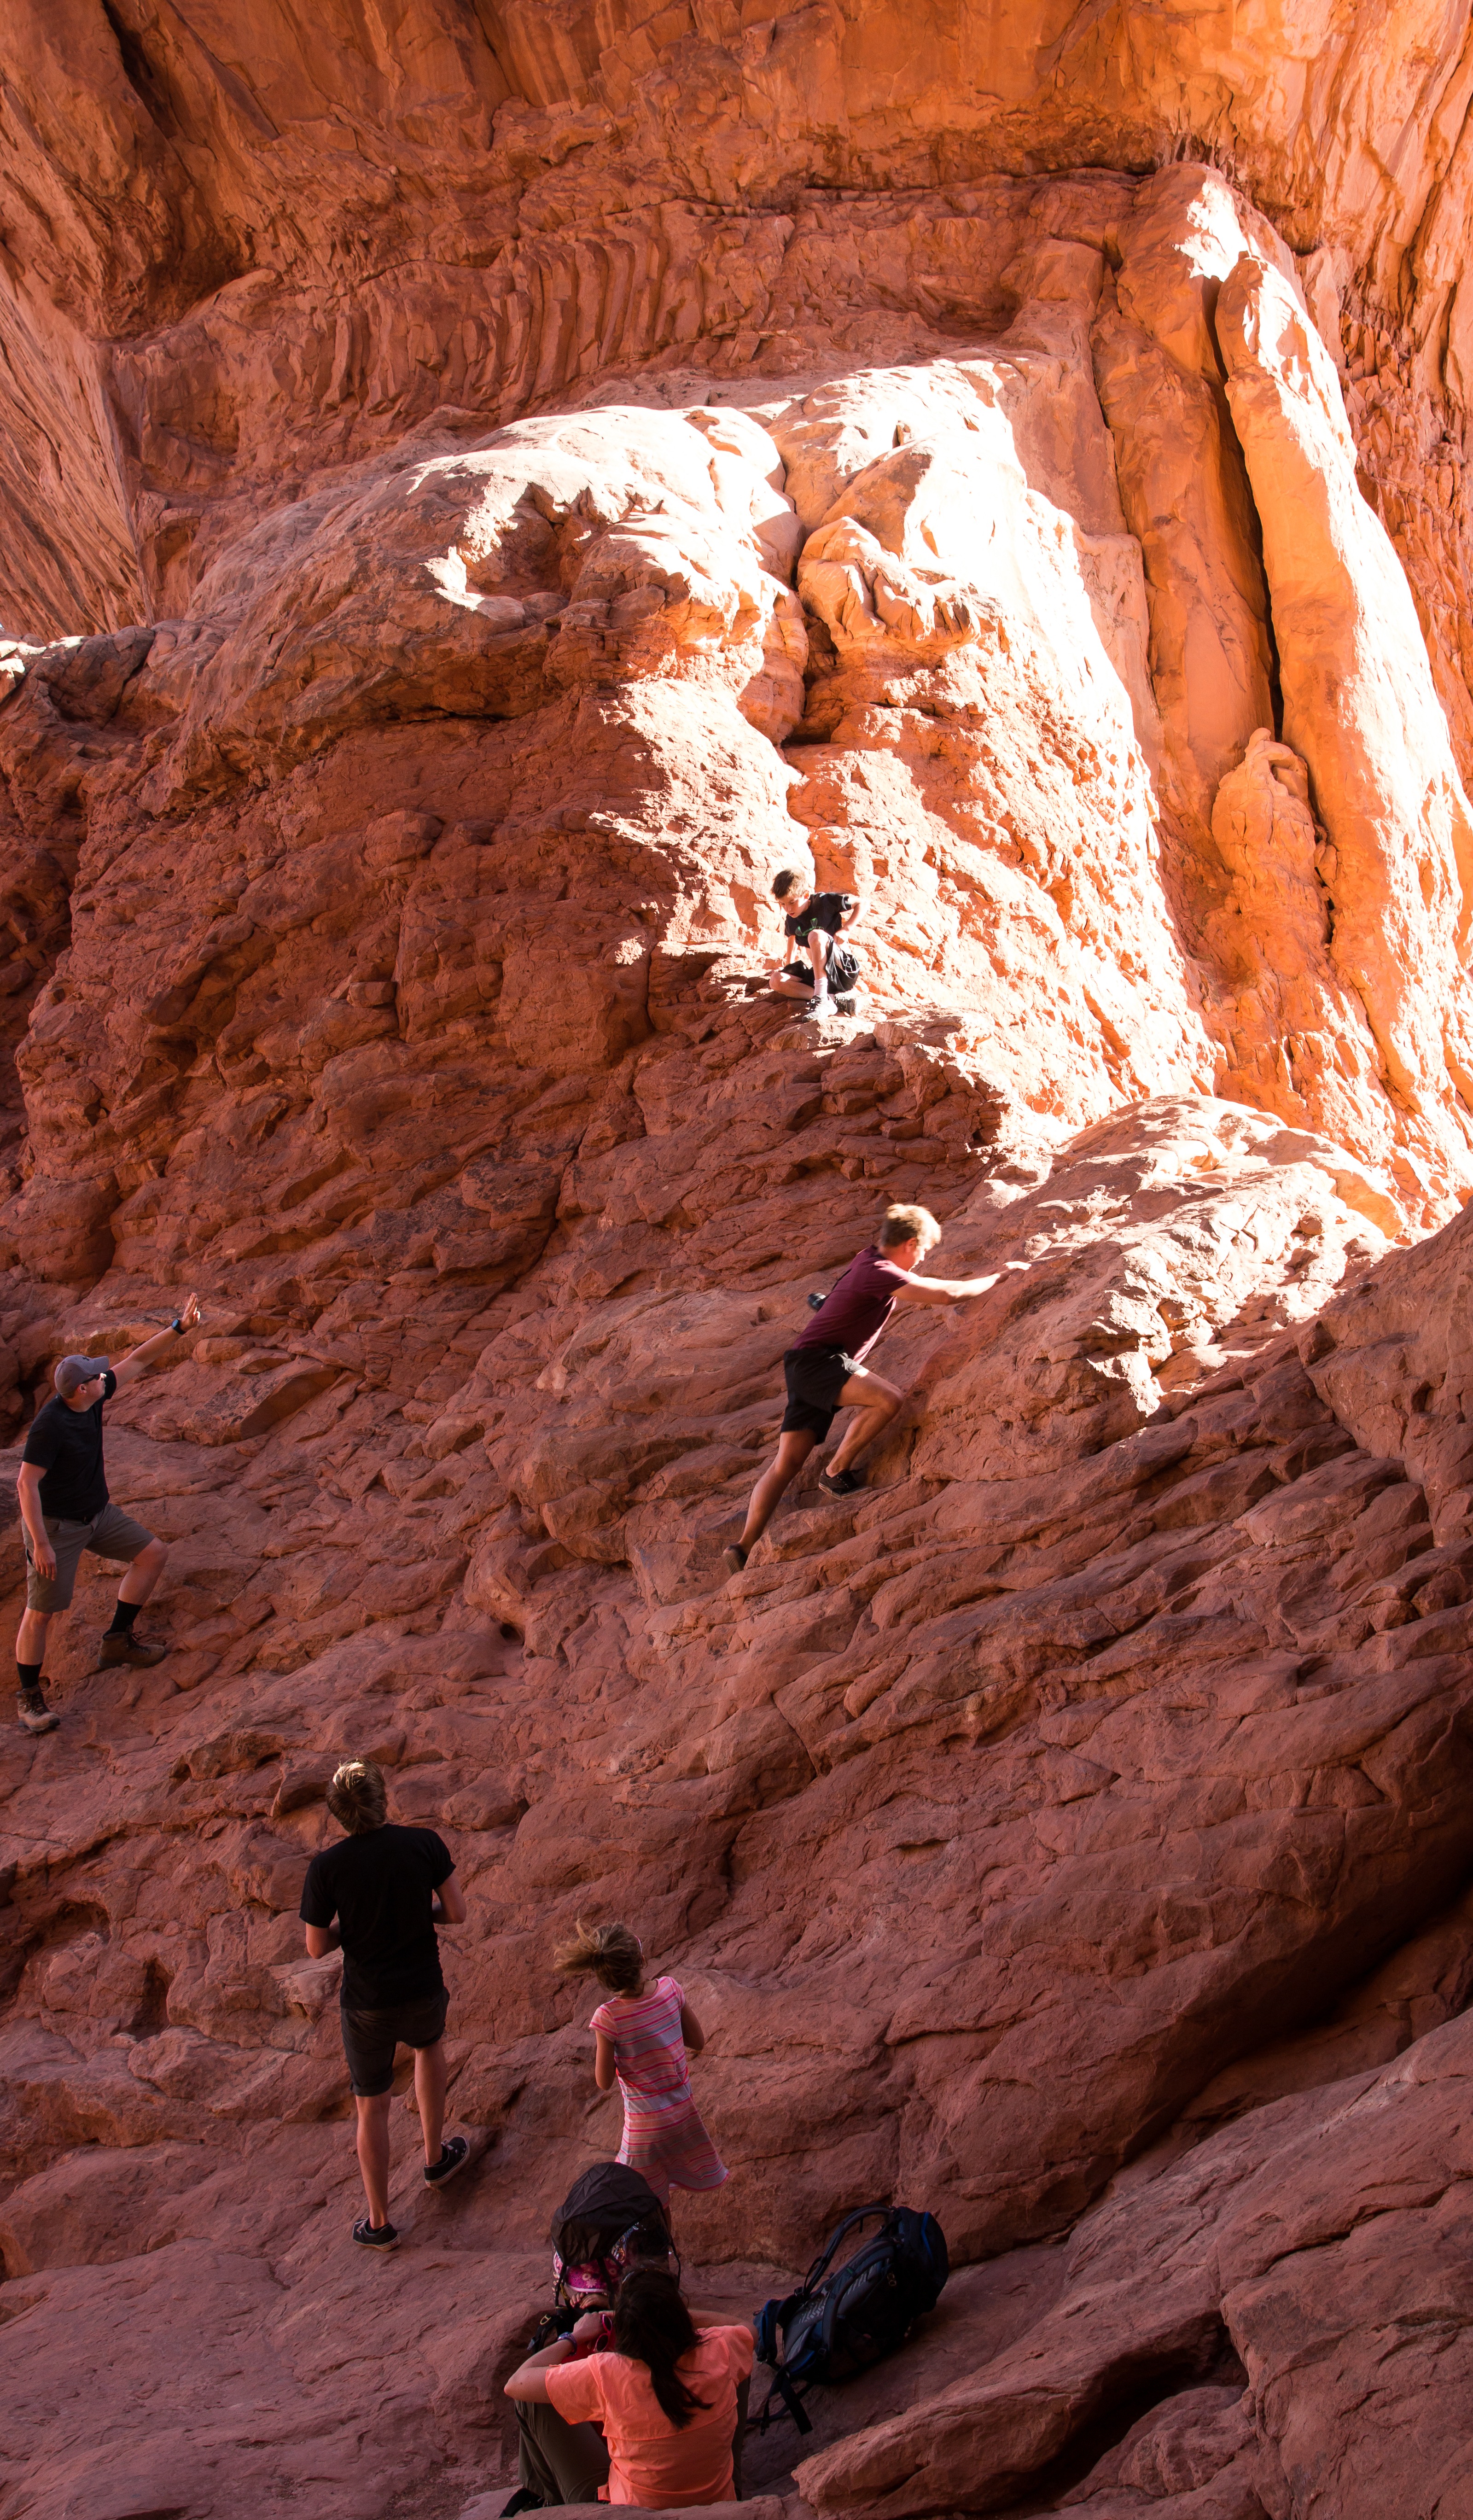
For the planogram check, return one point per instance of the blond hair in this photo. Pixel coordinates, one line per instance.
(358, 1797)
(610, 1953)
(900, 1224)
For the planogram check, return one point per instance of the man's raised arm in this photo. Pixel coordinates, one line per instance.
(136, 1358)
(957, 1291)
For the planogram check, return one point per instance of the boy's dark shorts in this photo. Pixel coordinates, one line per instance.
(816, 1376)
(841, 971)
(369, 2039)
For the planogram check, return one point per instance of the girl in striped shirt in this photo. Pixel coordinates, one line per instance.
(645, 2034)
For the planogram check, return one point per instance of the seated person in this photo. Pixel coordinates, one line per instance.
(609, 2225)
(650, 2398)
(833, 969)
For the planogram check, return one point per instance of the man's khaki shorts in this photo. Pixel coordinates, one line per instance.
(110, 1534)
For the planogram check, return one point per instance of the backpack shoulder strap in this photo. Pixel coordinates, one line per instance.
(792, 2405)
(820, 2264)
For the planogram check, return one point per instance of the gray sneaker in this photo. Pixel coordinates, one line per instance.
(33, 1713)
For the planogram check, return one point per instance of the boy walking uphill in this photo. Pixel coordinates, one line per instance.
(387, 1888)
(644, 2035)
(826, 1370)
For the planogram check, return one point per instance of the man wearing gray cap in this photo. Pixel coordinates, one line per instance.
(64, 1509)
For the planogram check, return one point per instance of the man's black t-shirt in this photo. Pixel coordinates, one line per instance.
(380, 1887)
(67, 1443)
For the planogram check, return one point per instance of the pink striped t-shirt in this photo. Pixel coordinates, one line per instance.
(650, 2053)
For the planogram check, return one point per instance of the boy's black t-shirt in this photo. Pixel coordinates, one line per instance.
(380, 1887)
(67, 1445)
(826, 910)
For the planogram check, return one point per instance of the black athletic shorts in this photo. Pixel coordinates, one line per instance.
(369, 2039)
(842, 973)
(816, 1376)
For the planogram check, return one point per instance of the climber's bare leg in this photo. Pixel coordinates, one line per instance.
(792, 1452)
(875, 1403)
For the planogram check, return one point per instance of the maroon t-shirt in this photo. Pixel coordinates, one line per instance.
(853, 1316)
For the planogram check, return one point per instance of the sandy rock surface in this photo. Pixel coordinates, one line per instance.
(483, 498)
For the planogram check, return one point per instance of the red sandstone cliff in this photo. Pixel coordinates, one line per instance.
(485, 488)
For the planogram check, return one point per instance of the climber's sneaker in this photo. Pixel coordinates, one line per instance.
(134, 1648)
(733, 1559)
(33, 1713)
(815, 1007)
(841, 1482)
(454, 2156)
(385, 2238)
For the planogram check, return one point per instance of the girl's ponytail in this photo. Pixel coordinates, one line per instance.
(652, 2325)
(610, 1953)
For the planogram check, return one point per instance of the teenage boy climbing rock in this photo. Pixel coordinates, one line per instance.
(826, 1370)
(66, 1508)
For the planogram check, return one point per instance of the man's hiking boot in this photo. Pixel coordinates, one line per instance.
(733, 1558)
(844, 1004)
(385, 2238)
(33, 1713)
(523, 2499)
(132, 1649)
(841, 1482)
(454, 2156)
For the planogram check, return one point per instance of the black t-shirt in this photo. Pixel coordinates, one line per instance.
(67, 1443)
(827, 910)
(380, 1887)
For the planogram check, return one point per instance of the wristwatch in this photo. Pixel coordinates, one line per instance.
(177, 1327)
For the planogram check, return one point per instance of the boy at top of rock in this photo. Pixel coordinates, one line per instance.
(818, 925)
(65, 1509)
(378, 1896)
(825, 1366)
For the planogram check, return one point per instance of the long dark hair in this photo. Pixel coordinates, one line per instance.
(651, 2324)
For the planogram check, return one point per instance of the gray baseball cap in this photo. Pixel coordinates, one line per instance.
(75, 1370)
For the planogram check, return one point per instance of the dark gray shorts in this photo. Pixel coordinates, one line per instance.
(369, 2039)
(110, 1534)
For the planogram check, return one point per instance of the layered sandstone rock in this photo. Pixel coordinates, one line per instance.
(452, 574)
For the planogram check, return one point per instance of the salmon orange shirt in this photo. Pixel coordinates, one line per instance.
(654, 2463)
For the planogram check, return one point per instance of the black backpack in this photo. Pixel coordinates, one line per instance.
(611, 2218)
(608, 2207)
(838, 2324)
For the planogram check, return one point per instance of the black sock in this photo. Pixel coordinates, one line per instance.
(28, 1674)
(124, 1617)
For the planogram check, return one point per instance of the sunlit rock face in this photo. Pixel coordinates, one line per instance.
(485, 492)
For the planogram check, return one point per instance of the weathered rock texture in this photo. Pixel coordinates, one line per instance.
(486, 490)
